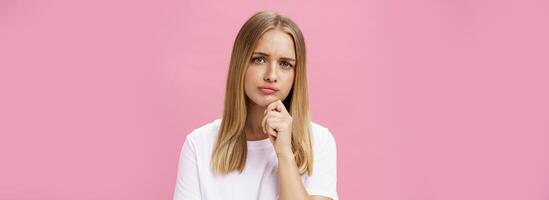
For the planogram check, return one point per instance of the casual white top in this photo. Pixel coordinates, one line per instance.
(259, 180)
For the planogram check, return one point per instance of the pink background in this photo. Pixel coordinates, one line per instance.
(426, 99)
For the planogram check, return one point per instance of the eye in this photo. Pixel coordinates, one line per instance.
(286, 64)
(258, 60)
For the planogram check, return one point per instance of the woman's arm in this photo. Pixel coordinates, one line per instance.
(277, 123)
(289, 181)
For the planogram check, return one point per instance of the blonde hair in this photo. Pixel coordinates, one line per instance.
(230, 150)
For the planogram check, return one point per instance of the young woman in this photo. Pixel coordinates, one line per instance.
(265, 146)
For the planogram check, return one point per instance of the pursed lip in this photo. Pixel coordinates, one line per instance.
(269, 88)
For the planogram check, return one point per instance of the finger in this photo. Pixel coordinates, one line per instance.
(272, 139)
(264, 121)
(279, 106)
(275, 114)
(263, 124)
(271, 129)
(268, 115)
(273, 106)
(273, 126)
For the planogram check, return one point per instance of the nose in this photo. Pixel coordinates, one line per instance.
(271, 75)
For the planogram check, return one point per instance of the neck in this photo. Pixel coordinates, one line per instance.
(253, 128)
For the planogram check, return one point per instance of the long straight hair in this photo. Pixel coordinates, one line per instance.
(230, 149)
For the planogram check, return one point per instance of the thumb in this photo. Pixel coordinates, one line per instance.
(272, 138)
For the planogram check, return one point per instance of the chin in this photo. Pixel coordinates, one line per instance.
(264, 100)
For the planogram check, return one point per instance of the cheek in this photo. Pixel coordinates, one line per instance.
(250, 78)
(290, 79)
(287, 82)
(251, 73)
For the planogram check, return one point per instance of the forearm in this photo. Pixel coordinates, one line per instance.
(290, 186)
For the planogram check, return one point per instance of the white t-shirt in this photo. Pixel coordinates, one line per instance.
(259, 180)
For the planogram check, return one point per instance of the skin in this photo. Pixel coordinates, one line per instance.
(273, 64)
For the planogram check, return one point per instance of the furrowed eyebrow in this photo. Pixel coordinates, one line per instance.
(261, 53)
(267, 55)
(288, 59)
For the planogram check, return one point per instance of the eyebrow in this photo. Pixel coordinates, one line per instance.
(264, 54)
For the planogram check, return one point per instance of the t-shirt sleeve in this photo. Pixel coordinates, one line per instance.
(187, 186)
(323, 180)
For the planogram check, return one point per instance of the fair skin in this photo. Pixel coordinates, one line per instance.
(272, 64)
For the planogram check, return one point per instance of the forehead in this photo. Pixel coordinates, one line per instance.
(276, 43)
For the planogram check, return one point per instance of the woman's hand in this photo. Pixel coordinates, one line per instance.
(277, 123)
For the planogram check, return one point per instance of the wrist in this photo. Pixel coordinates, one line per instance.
(285, 154)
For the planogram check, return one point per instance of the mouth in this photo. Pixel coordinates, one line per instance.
(267, 90)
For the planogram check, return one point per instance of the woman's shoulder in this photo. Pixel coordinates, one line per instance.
(206, 131)
(321, 133)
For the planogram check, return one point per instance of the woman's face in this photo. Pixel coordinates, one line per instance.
(271, 65)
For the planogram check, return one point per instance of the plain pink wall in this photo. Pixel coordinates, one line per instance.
(426, 99)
